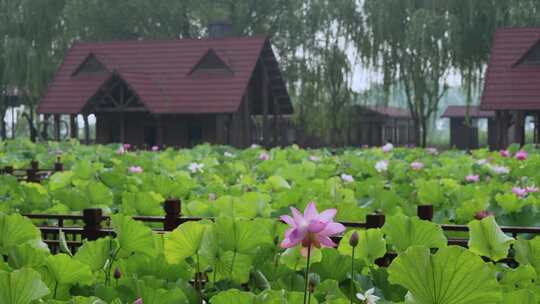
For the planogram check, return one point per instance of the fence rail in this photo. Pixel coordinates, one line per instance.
(34, 174)
(93, 219)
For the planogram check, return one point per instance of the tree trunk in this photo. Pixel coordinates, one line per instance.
(30, 118)
(424, 133)
(417, 132)
(3, 128)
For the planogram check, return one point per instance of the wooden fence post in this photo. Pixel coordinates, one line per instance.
(92, 224)
(173, 210)
(375, 220)
(31, 176)
(8, 170)
(425, 212)
(34, 165)
(58, 166)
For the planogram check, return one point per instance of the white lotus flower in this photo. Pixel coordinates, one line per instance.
(314, 158)
(264, 156)
(481, 162)
(195, 167)
(347, 178)
(368, 297)
(388, 147)
(500, 169)
(228, 154)
(381, 166)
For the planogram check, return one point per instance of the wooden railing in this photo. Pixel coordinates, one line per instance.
(96, 225)
(34, 174)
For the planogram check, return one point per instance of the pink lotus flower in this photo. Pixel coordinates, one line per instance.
(264, 156)
(472, 178)
(347, 178)
(519, 192)
(314, 158)
(522, 155)
(388, 147)
(135, 170)
(531, 189)
(417, 166)
(127, 146)
(504, 153)
(314, 229)
(432, 151)
(120, 151)
(155, 148)
(138, 301)
(482, 214)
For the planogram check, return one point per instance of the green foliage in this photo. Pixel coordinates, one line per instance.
(452, 275)
(21, 286)
(487, 239)
(403, 232)
(15, 230)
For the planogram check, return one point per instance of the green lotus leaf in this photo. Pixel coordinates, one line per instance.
(133, 236)
(21, 286)
(30, 255)
(523, 276)
(453, 275)
(151, 295)
(509, 202)
(522, 296)
(66, 270)
(293, 259)
(96, 253)
(99, 194)
(403, 232)
(528, 252)
(60, 180)
(15, 230)
(487, 239)
(333, 265)
(277, 183)
(233, 296)
(283, 297)
(371, 245)
(184, 241)
(240, 235)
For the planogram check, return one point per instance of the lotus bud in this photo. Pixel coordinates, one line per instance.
(313, 281)
(117, 274)
(482, 214)
(353, 241)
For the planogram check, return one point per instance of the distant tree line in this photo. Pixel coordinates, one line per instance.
(412, 43)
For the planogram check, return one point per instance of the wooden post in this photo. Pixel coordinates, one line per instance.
(92, 224)
(425, 212)
(31, 175)
(86, 130)
(9, 170)
(58, 166)
(45, 131)
(173, 210)
(122, 128)
(159, 130)
(264, 92)
(519, 128)
(57, 127)
(74, 128)
(34, 165)
(375, 220)
(247, 118)
(276, 122)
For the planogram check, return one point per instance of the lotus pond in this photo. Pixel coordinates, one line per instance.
(245, 255)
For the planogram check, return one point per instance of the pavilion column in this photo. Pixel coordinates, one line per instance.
(57, 127)
(537, 128)
(502, 121)
(265, 95)
(276, 123)
(247, 117)
(122, 128)
(74, 128)
(86, 129)
(519, 128)
(159, 130)
(45, 131)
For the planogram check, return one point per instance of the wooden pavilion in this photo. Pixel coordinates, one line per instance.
(512, 83)
(463, 134)
(377, 124)
(173, 92)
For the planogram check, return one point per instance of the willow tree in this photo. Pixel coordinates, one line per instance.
(30, 50)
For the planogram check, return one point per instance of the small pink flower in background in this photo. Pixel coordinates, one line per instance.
(482, 214)
(138, 301)
(195, 167)
(135, 170)
(520, 192)
(432, 151)
(531, 189)
(522, 155)
(264, 156)
(388, 147)
(364, 146)
(120, 150)
(472, 178)
(314, 158)
(500, 169)
(155, 148)
(381, 166)
(347, 178)
(417, 166)
(314, 229)
(504, 153)
(127, 146)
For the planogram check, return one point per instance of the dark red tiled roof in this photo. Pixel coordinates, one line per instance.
(159, 73)
(510, 85)
(461, 111)
(391, 111)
